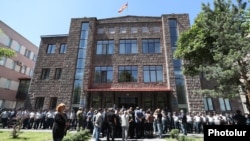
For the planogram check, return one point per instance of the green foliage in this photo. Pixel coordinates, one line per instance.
(217, 46)
(174, 133)
(16, 129)
(83, 135)
(6, 52)
(27, 136)
(185, 138)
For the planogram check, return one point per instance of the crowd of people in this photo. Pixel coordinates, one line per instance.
(125, 123)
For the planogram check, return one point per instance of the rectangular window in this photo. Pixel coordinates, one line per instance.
(123, 30)
(153, 73)
(51, 48)
(23, 69)
(151, 46)
(127, 73)
(63, 48)
(224, 104)
(53, 102)
(134, 29)
(128, 47)
(3, 61)
(39, 103)
(45, 73)
(100, 30)
(34, 57)
(7, 84)
(31, 72)
(105, 47)
(173, 31)
(208, 104)
(145, 30)
(17, 48)
(58, 73)
(156, 29)
(5, 39)
(27, 53)
(103, 74)
(111, 30)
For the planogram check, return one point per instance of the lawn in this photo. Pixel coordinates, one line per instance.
(26, 136)
(47, 136)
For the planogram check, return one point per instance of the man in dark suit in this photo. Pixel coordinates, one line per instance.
(111, 119)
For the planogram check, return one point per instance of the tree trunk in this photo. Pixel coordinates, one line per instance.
(248, 102)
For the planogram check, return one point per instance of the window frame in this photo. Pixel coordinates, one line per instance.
(58, 73)
(128, 46)
(45, 73)
(225, 104)
(63, 48)
(154, 73)
(105, 47)
(131, 70)
(208, 104)
(104, 73)
(51, 48)
(151, 46)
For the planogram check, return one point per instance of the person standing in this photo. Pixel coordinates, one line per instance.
(61, 123)
(79, 117)
(183, 122)
(111, 124)
(98, 124)
(125, 124)
(239, 119)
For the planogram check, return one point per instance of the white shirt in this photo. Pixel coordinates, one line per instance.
(124, 119)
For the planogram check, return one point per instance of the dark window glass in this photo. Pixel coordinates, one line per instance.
(105, 47)
(77, 91)
(150, 46)
(208, 104)
(103, 74)
(39, 103)
(127, 73)
(27, 53)
(79, 73)
(82, 53)
(45, 73)
(58, 73)
(128, 47)
(53, 102)
(177, 64)
(180, 89)
(63, 48)
(51, 48)
(153, 73)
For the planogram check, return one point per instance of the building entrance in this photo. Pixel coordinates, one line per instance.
(127, 102)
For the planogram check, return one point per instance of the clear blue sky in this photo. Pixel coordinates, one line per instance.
(33, 18)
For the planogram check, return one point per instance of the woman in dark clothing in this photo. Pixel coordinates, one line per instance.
(60, 123)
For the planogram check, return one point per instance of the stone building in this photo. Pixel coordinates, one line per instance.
(15, 72)
(118, 62)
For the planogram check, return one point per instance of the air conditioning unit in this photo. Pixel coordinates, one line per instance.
(19, 63)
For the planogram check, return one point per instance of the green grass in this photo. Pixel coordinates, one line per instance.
(47, 136)
(192, 138)
(26, 136)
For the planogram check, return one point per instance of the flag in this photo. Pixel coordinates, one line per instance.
(124, 6)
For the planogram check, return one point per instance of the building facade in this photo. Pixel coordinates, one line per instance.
(118, 62)
(15, 72)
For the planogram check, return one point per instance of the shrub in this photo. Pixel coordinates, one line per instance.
(83, 135)
(184, 138)
(174, 133)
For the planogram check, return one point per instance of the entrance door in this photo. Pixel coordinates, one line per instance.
(127, 102)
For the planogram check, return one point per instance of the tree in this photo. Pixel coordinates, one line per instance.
(217, 47)
(5, 52)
